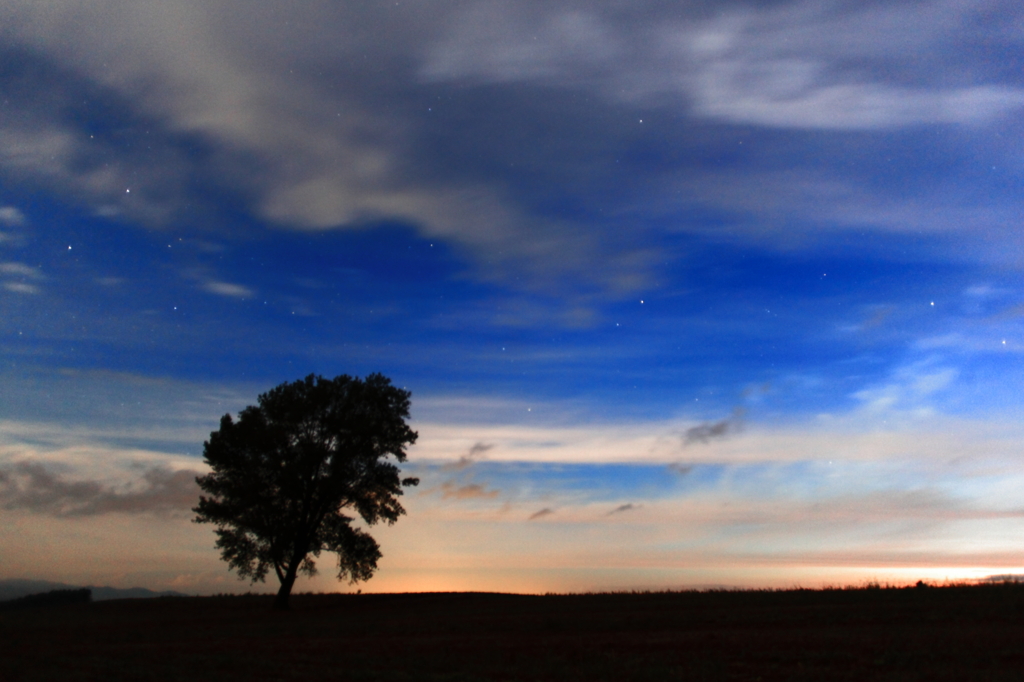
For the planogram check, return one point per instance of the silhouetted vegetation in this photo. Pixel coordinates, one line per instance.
(51, 598)
(283, 474)
(944, 634)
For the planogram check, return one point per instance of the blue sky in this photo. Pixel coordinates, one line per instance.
(685, 294)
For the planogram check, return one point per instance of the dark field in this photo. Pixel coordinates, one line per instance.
(927, 633)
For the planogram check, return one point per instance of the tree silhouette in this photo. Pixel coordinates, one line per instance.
(284, 474)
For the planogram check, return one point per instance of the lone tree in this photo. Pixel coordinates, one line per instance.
(286, 472)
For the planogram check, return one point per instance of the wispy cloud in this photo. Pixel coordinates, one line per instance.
(911, 387)
(228, 289)
(476, 452)
(858, 435)
(20, 270)
(473, 491)
(334, 157)
(327, 158)
(21, 287)
(459, 488)
(11, 216)
(708, 431)
(28, 278)
(546, 511)
(479, 449)
(624, 508)
(765, 65)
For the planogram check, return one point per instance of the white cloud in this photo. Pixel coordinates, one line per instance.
(11, 216)
(856, 437)
(326, 159)
(42, 151)
(831, 202)
(794, 65)
(44, 148)
(20, 270)
(910, 390)
(983, 291)
(24, 272)
(775, 67)
(228, 289)
(87, 452)
(21, 287)
(87, 447)
(105, 411)
(852, 106)
(270, 94)
(497, 42)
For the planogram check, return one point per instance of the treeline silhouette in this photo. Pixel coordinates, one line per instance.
(51, 598)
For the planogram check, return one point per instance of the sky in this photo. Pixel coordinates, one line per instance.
(686, 294)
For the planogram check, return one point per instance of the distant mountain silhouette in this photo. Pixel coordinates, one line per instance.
(14, 588)
(51, 598)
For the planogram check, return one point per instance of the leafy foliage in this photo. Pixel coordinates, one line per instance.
(284, 474)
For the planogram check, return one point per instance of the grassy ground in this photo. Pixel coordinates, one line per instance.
(949, 633)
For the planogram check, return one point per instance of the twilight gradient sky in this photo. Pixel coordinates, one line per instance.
(686, 293)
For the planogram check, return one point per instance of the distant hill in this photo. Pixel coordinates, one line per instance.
(14, 588)
(51, 598)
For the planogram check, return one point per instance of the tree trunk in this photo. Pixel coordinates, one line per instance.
(281, 601)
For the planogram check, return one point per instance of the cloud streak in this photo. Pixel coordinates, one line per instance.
(856, 436)
(708, 431)
(21, 287)
(11, 216)
(20, 270)
(473, 491)
(476, 452)
(228, 290)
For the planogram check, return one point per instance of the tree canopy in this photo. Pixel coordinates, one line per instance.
(287, 476)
